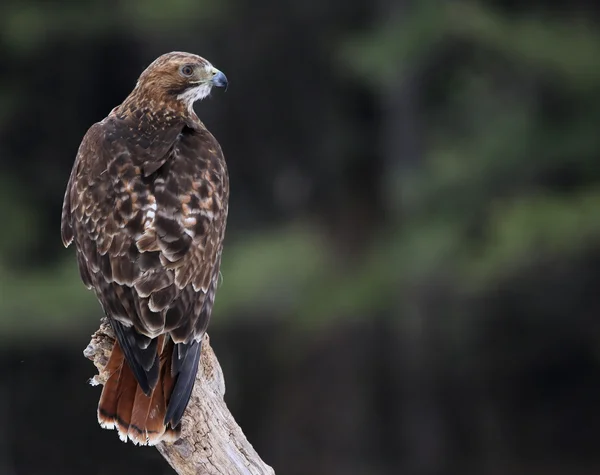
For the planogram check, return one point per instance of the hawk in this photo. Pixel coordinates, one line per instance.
(146, 206)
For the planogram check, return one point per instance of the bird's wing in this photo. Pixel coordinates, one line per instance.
(148, 218)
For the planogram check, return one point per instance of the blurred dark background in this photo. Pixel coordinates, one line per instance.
(412, 264)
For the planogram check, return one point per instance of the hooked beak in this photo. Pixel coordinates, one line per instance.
(219, 79)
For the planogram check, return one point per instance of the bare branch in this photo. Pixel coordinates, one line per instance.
(211, 441)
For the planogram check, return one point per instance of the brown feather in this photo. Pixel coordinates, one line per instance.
(126, 390)
(107, 407)
(160, 398)
(146, 206)
(148, 414)
(124, 405)
(139, 414)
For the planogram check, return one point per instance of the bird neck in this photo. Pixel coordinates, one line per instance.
(154, 105)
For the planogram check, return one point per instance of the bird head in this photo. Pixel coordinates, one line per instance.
(182, 77)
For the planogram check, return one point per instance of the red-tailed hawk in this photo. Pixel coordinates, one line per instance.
(146, 206)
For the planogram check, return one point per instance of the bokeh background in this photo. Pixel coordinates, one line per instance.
(412, 263)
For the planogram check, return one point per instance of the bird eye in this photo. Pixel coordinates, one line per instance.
(187, 70)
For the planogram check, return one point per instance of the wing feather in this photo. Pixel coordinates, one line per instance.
(148, 223)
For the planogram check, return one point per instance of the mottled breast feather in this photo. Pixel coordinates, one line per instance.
(146, 205)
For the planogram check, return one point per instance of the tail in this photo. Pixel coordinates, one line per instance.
(146, 419)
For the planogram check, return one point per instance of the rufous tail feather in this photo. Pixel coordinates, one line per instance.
(124, 406)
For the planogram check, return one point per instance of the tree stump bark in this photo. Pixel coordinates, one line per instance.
(211, 441)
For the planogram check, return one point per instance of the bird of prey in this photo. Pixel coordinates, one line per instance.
(146, 206)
